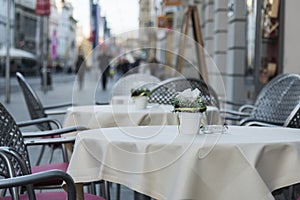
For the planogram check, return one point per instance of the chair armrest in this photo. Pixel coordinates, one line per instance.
(39, 121)
(49, 111)
(246, 108)
(27, 179)
(235, 113)
(232, 115)
(66, 104)
(48, 141)
(258, 123)
(252, 122)
(40, 177)
(231, 118)
(56, 112)
(53, 132)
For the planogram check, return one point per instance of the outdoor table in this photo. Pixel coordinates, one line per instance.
(121, 99)
(105, 116)
(243, 163)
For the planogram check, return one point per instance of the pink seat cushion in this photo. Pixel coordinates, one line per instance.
(41, 168)
(54, 196)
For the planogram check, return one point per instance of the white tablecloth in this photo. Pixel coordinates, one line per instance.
(245, 163)
(104, 116)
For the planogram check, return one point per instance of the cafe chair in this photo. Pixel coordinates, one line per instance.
(167, 89)
(241, 107)
(37, 111)
(273, 105)
(243, 110)
(11, 136)
(292, 121)
(20, 182)
(28, 180)
(34, 104)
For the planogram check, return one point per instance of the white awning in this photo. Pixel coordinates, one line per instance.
(16, 53)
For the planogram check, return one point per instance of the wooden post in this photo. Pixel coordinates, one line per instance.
(199, 39)
(192, 12)
(183, 42)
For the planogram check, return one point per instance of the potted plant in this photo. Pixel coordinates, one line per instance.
(140, 97)
(189, 107)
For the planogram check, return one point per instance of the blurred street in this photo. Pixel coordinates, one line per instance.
(64, 88)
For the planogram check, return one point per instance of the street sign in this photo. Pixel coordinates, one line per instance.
(162, 21)
(173, 3)
(42, 7)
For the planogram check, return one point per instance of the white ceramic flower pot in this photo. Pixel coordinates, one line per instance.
(189, 123)
(141, 102)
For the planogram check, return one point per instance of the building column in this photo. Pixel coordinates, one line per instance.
(220, 45)
(236, 51)
(208, 33)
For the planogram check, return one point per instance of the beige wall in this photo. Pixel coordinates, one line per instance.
(292, 37)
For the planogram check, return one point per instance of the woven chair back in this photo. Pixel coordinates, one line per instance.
(275, 103)
(34, 104)
(293, 121)
(166, 90)
(11, 136)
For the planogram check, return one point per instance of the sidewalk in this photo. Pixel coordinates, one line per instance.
(64, 89)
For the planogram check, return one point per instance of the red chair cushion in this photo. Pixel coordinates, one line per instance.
(41, 168)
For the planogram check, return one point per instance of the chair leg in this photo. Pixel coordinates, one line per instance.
(51, 153)
(107, 189)
(63, 150)
(118, 191)
(3, 192)
(92, 187)
(38, 162)
(64, 153)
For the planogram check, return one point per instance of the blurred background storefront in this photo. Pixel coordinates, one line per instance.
(250, 41)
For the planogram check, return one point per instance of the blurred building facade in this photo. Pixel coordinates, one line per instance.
(250, 41)
(66, 34)
(27, 29)
(25, 25)
(3, 20)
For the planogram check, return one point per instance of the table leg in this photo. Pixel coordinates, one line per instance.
(79, 191)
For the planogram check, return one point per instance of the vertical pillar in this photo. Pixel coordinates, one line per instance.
(220, 34)
(8, 45)
(208, 34)
(220, 44)
(236, 51)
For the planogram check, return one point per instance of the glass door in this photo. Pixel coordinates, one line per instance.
(264, 41)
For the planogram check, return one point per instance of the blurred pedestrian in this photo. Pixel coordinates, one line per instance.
(104, 65)
(80, 70)
(123, 66)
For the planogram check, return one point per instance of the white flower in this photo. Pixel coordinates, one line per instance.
(188, 101)
(188, 95)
